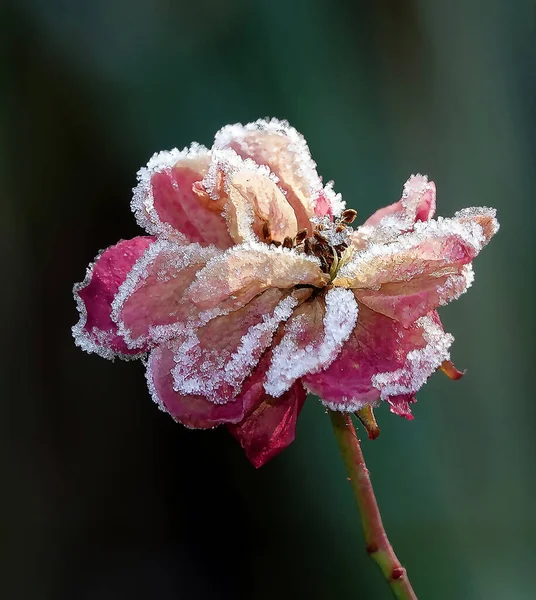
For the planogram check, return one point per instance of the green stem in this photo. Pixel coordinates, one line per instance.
(378, 545)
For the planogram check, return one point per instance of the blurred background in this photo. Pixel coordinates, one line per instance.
(104, 497)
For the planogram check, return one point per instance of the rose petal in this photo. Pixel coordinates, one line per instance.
(95, 331)
(279, 146)
(271, 427)
(193, 411)
(149, 304)
(252, 199)
(419, 271)
(418, 203)
(312, 338)
(214, 360)
(165, 204)
(231, 280)
(381, 359)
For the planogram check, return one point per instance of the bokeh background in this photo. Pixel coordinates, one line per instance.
(102, 496)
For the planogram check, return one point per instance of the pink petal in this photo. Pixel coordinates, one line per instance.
(231, 280)
(329, 203)
(149, 303)
(312, 338)
(279, 146)
(253, 202)
(382, 359)
(418, 203)
(214, 360)
(165, 204)
(95, 331)
(420, 270)
(191, 410)
(271, 427)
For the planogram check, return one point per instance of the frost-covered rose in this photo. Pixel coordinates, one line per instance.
(252, 288)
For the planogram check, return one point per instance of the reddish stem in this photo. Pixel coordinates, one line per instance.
(378, 545)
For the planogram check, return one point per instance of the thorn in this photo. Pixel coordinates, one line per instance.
(451, 371)
(367, 418)
(349, 215)
(372, 548)
(397, 573)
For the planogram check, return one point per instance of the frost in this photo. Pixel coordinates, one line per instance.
(217, 373)
(425, 233)
(163, 262)
(456, 285)
(328, 229)
(228, 162)
(338, 205)
(419, 363)
(290, 361)
(246, 269)
(296, 154)
(142, 204)
(347, 404)
(94, 341)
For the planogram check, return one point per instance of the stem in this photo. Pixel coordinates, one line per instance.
(378, 545)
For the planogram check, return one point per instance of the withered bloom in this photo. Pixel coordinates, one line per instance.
(252, 288)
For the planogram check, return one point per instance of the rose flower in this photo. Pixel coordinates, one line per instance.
(252, 288)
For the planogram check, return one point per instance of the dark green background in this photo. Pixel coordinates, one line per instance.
(103, 497)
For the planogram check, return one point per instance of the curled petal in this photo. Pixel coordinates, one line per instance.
(311, 340)
(215, 359)
(231, 280)
(148, 304)
(165, 203)
(279, 146)
(381, 359)
(256, 208)
(482, 215)
(418, 203)
(96, 331)
(419, 271)
(271, 427)
(192, 410)
(406, 301)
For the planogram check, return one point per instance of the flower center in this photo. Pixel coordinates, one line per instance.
(329, 242)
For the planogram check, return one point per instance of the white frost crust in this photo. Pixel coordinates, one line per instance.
(154, 355)
(290, 362)
(179, 257)
(297, 146)
(338, 205)
(480, 211)
(254, 248)
(95, 341)
(142, 204)
(419, 364)
(469, 232)
(228, 162)
(456, 285)
(221, 367)
(391, 226)
(347, 404)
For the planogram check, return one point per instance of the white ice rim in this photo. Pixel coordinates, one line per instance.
(142, 203)
(87, 341)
